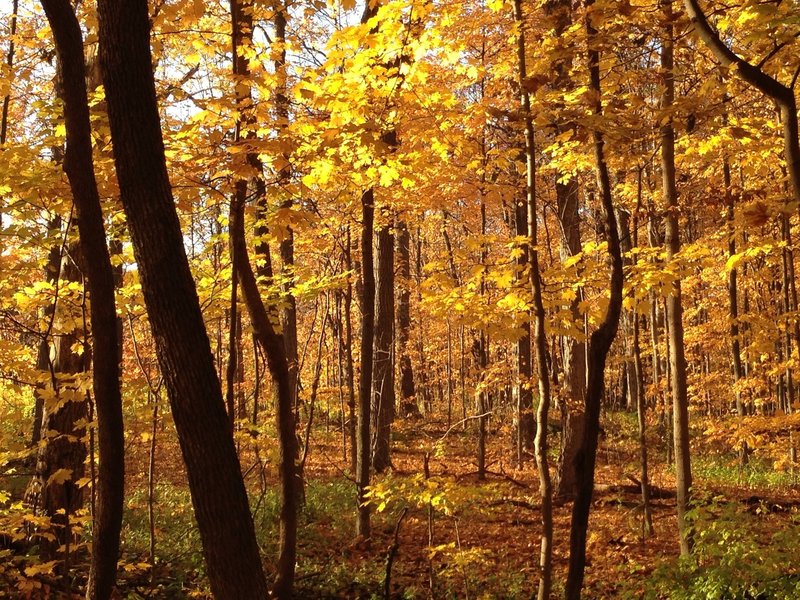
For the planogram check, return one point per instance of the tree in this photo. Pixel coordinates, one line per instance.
(280, 350)
(383, 396)
(215, 481)
(601, 339)
(539, 318)
(677, 358)
(79, 168)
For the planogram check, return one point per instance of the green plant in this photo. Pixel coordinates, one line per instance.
(737, 556)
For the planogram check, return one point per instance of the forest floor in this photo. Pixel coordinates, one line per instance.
(458, 537)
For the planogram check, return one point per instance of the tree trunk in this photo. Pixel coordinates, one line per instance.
(600, 341)
(383, 372)
(408, 401)
(182, 345)
(79, 167)
(365, 381)
(641, 405)
(273, 345)
(284, 175)
(526, 424)
(275, 348)
(680, 401)
(60, 460)
(736, 353)
(348, 348)
(574, 351)
(782, 95)
(539, 319)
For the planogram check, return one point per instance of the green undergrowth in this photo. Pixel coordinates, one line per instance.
(737, 556)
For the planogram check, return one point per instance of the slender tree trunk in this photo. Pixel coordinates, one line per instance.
(408, 402)
(600, 340)
(736, 354)
(79, 167)
(218, 494)
(275, 347)
(348, 348)
(272, 344)
(782, 95)
(526, 424)
(539, 319)
(680, 401)
(365, 382)
(230, 371)
(286, 245)
(641, 404)
(7, 97)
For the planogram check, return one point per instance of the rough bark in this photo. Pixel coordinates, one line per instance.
(559, 12)
(383, 370)
(600, 341)
(184, 352)
(60, 460)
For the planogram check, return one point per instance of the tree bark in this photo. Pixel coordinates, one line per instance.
(408, 401)
(218, 494)
(273, 345)
(383, 372)
(348, 349)
(677, 357)
(79, 167)
(574, 351)
(365, 380)
(526, 424)
(600, 341)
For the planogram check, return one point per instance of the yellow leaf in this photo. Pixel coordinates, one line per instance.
(60, 476)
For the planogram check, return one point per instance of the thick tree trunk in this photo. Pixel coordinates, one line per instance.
(680, 401)
(574, 352)
(60, 461)
(383, 371)
(218, 494)
(600, 341)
